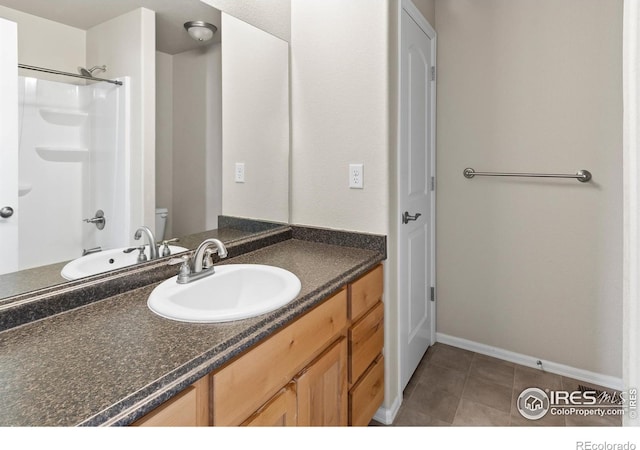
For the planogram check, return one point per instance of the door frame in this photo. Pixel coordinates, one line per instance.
(9, 143)
(631, 205)
(413, 12)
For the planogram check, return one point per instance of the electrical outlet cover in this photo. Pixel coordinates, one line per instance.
(239, 174)
(356, 176)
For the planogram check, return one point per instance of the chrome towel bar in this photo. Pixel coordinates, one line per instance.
(582, 175)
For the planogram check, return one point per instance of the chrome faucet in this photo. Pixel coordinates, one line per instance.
(202, 258)
(153, 248)
(200, 264)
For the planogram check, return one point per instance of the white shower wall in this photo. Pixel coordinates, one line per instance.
(108, 171)
(72, 157)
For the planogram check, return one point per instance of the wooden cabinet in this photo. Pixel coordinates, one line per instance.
(326, 368)
(189, 408)
(280, 411)
(366, 340)
(367, 395)
(322, 389)
(365, 292)
(248, 382)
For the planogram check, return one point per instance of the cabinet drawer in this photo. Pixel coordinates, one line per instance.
(366, 397)
(365, 292)
(366, 339)
(248, 382)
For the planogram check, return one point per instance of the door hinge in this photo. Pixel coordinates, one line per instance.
(433, 294)
(433, 183)
(433, 73)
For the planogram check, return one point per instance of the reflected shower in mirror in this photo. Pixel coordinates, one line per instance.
(218, 104)
(71, 150)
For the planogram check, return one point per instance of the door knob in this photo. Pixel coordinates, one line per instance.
(406, 217)
(6, 212)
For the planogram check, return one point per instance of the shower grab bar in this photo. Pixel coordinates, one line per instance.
(68, 74)
(582, 175)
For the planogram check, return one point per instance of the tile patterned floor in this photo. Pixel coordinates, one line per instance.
(457, 387)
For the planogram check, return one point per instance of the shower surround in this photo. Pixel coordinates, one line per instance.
(74, 151)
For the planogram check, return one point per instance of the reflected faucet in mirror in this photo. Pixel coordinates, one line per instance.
(141, 256)
(151, 240)
(166, 251)
(99, 261)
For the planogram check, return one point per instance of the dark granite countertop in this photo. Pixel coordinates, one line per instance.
(112, 361)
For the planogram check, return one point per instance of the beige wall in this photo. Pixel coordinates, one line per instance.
(255, 121)
(531, 266)
(342, 113)
(428, 10)
(49, 44)
(197, 142)
(272, 16)
(164, 136)
(339, 113)
(126, 44)
(213, 135)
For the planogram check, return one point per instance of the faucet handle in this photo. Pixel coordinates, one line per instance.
(207, 261)
(141, 256)
(180, 260)
(165, 246)
(185, 268)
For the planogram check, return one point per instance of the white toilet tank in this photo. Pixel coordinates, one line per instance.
(161, 222)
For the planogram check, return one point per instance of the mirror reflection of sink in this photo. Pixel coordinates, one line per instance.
(233, 292)
(106, 261)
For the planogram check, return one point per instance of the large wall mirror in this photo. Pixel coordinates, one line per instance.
(216, 142)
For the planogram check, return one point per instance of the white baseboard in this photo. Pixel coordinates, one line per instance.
(530, 361)
(386, 416)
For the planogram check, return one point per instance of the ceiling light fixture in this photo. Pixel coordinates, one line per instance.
(199, 30)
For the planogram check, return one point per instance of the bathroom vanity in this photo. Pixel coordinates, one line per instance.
(325, 368)
(316, 361)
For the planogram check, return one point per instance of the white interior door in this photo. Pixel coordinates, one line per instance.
(416, 167)
(8, 146)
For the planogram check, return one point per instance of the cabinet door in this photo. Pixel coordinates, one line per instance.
(190, 408)
(280, 411)
(250, 381)
(322, 388)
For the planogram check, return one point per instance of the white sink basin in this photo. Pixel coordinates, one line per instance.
(233, 292)
(105, 261)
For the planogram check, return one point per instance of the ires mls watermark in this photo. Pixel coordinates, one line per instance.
(534, 403)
